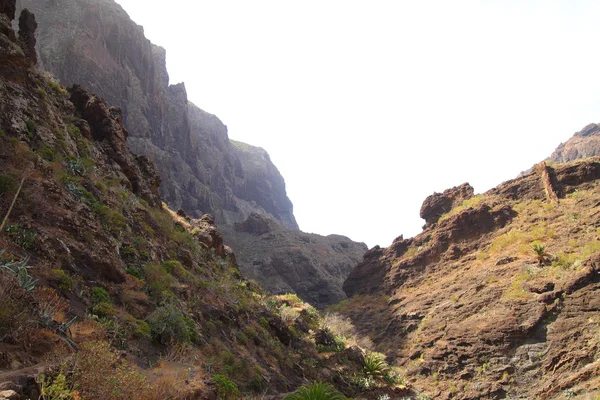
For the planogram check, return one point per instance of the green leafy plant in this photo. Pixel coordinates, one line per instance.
(374, 365)
(100, 295)
(316, 391)
(226, 388)
(20, 270)
(170, 325)
(8, 184)
(62, 279)
(540, 252)
(21, 235)
(56, 389)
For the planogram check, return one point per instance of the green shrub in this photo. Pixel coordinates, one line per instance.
(100, 295)
(374, 365)
(62, 279)
(316, 391)
(8, 184)
(170, 325)
(158, 278)
(103, 310)
(113, 221)
(134, 271)
(31, 128)
(57, 88)
(48, 153)
(226, 388)
(56, 389)
(21, 235)
(42, 93)
(176, 269)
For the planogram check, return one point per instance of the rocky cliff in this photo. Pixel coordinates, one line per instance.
(498, 296)
(585, 143)
(288, 261)
(95, 44)
(107, 294)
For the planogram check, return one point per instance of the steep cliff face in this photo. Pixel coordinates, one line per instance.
(498, 296)
(95, 44)
(585, 143)
(288, 261)
(104, 293)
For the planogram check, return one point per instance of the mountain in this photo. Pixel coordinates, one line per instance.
(312, 266)
(498, 296)
(585, 143)
(95, 44)
(107, 294)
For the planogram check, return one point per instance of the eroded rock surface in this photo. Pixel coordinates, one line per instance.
(201, 170)
(284, 260)
(585, 143)
(465, 306)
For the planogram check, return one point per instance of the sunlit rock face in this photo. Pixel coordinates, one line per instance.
(94, 43)
(585, 143)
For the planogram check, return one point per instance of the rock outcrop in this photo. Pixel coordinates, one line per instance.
(438, 204)
(283, 260)
(585, 143)
(95, 44)
(465, 307)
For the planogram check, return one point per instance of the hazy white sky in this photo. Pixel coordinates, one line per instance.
(367, 107)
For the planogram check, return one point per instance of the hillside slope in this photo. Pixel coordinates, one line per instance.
(107, 294)
(95, 44)
(498, 296)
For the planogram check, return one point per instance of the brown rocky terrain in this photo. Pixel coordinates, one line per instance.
(585, 143)
(107, 294)
(498, 296)
(290, 261)
(95, 44)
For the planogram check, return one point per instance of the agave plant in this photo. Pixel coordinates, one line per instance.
(316, 391)
(20, 270)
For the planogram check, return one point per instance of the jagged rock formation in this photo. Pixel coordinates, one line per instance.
(95, 44)
(284, 260)
(202, 170)
(465, 306)
(585, 143)
(439, 204)
(98, 281)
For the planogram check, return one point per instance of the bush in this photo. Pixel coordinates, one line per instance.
(327, 341)
(374, 365)
(56, 389)
(226, 388)
(99, 373)
(316, 391)
(31, 128)
(100, 295)
(176, 269)
(158, 278)
(62, 279)
(21, 236)
(134, 271)
(103, 310)
(170, 325)
(8, 184)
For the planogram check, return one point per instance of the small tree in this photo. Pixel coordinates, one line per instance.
(540, 252)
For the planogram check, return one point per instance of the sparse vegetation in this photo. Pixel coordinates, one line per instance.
(316, 391)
